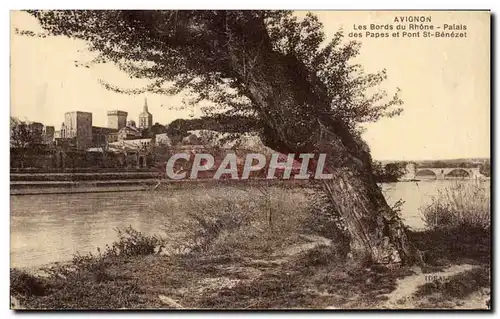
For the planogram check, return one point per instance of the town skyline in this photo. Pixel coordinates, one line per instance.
(103, 124)
(385, 160)
(446, 111)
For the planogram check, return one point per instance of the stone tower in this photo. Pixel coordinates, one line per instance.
(78, 125)
(117, 119)
(145, 118)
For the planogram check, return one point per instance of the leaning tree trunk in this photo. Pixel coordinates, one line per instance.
(290, 99)
(297, 113)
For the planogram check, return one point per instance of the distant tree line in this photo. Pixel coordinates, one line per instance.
(462, 163)
(218, 122)
(388, 173)
(179, 128)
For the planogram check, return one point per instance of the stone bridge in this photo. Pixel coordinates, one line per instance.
(414, 172)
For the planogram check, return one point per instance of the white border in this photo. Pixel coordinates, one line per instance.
(258, 4)
(185, 4)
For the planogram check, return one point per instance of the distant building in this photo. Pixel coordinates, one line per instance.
(142, 143)
(48, 134)
(138, 151)
(62, 132)
(129, 132)
(117, 119)
(36, 129)
(77, 128)
(145, 118)
(78, 125)
(100, 135)
(64, 143)
(112, 137)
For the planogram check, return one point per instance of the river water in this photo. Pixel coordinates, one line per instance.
(51, 228)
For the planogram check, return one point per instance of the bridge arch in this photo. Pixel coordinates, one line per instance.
(426, 173)
(459, 172)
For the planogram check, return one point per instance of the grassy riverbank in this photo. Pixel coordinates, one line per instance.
(258, 247)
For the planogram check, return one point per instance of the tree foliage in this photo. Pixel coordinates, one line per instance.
(388, 173)
(307, 95)
(24, 137)
(348, 86)
(22, 134)
(187, 52)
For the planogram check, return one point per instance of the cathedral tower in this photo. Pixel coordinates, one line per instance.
(145, 118)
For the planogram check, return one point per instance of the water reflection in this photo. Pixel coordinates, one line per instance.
(51, 228)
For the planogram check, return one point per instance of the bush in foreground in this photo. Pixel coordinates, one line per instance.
(227, 219)
(22, 283)
(458, 226)
(464, 205)
(88, 281)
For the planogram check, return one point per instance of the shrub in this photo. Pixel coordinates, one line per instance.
(130, 243)
(90, 280)
(133, 243)
(459, 285)
(462, 205)
(232, 217)
(319, 256)
(22, 283)
(85, 290)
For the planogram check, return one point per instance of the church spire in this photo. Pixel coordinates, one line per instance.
(145, 118)
(145, 108)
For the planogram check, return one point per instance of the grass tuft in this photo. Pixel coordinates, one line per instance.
(23, 283)
(459, 285)
(464, 205)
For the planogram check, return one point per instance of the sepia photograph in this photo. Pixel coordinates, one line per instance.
(250, 160)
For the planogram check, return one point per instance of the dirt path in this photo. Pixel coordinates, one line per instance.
(250, 270)
(288, 254)
(313, 241)
(402, 297)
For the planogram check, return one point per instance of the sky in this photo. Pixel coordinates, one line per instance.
(445, 84)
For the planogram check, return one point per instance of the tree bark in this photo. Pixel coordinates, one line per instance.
(296, 110)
